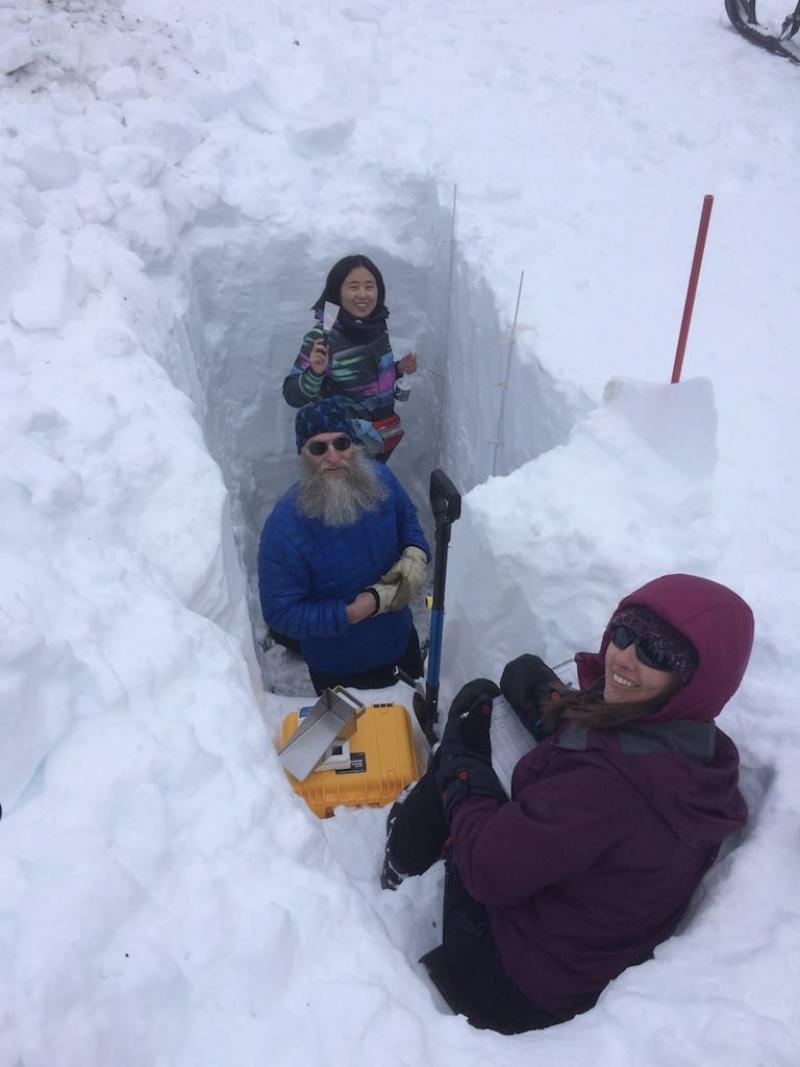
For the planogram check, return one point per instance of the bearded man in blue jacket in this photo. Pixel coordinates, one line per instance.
(341, 555)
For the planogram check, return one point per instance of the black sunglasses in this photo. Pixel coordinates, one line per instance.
(646, 653)
(319, 448)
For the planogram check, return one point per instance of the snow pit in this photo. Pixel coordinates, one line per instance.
(175, 185)
(249, 306)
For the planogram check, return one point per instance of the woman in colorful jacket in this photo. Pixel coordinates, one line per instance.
(614, 816)
(354, 358)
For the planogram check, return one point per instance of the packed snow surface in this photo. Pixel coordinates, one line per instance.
(176, 181)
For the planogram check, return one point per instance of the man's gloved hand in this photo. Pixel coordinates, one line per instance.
(526, 683)
(409, 575)
(465, 757)
(384, 596)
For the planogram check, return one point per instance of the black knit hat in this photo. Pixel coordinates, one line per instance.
(677, 651)
(323, 416)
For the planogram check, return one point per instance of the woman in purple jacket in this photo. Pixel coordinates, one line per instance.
(614, 816)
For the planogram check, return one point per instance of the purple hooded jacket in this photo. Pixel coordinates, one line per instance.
(608, 833)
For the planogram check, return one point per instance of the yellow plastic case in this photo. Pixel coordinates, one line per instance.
(382, 763)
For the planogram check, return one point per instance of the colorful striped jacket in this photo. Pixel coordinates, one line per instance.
(362, 372)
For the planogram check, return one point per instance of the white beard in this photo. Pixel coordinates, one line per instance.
(341, 499)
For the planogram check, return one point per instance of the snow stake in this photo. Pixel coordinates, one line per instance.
(694, 275)
(504, 384)
(446, 507)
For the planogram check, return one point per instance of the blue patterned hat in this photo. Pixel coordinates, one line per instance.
(677, 650)
(323, 416)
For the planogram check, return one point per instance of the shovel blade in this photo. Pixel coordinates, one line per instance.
(445, 499)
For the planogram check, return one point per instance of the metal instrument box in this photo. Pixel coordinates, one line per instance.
(371, 767)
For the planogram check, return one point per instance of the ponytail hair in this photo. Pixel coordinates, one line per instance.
(587, 706)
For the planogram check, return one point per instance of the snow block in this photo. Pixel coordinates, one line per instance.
(50, 168)
(117, 85)
(678, 421)
(54, 292)
(16, 51)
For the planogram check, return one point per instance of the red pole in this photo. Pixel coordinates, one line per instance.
(702, 230)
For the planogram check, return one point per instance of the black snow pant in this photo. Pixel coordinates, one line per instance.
(283, 639)
(375, 677)
(466, 968)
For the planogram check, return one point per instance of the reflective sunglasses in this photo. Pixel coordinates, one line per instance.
(319, 448)
(646, 653)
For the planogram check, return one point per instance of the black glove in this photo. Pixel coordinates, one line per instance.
(470, 717)
(526, 683)
(465, 756)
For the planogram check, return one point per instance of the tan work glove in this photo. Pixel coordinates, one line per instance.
(384, 596)
(408, 574)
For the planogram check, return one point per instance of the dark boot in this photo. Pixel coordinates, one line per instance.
(415, 831)
(390, 878)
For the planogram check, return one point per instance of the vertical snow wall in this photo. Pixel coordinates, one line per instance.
(248, 300)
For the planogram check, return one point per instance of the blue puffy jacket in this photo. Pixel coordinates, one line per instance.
(308, 572)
